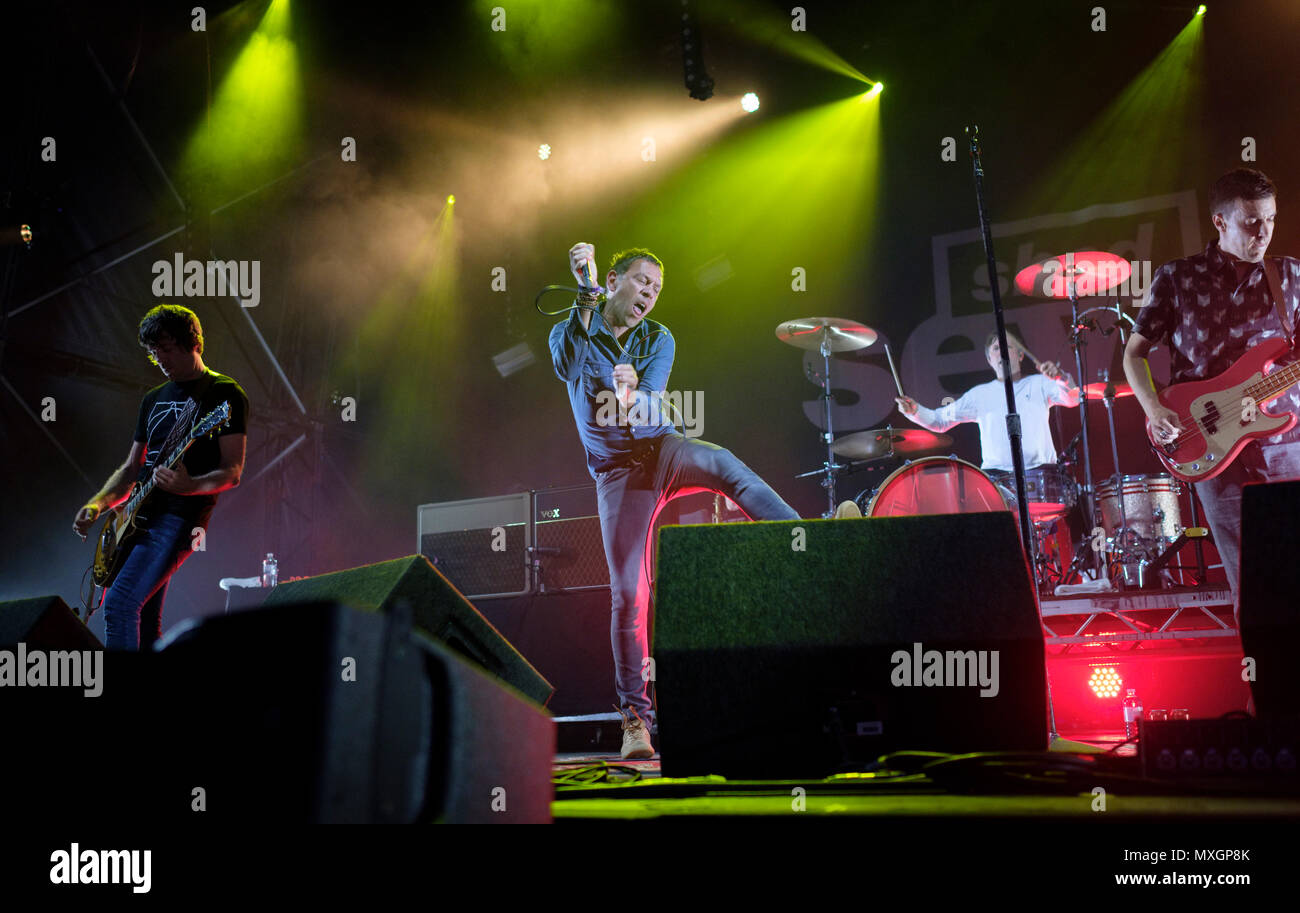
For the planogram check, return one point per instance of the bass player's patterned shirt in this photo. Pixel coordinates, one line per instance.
(1209, 315)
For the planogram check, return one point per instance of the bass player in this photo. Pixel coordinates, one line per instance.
(1210, 309)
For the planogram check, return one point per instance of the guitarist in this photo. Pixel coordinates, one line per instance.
(1210, 309)
(186, 493)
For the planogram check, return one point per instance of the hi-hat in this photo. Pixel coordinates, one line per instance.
(843, 335)
(1094, 272)
(879, 442)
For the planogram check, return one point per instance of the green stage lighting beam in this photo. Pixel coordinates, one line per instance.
(1153, 126)
(810, 179)
(252, 131)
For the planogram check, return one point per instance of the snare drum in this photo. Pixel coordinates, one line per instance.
(1050, 490)
(1150, 505)
(937, 485)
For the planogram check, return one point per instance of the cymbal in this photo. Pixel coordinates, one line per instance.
(844, 335)
(1098, 390)
(870, 445)
(1094, 272)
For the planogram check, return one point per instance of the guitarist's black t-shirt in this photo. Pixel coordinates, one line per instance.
(159, 411)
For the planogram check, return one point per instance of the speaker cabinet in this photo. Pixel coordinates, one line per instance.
(1270, 594)
(806, 647)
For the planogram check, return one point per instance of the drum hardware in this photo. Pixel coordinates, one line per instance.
(1098, 391)
(1049, 489)
(1197, 533)
(826, 335)
(1108, 397)
(1143, 517)
(1060, 277)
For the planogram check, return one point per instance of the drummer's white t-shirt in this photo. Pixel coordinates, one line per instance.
(987, 405)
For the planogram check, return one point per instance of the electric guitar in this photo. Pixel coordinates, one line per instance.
(1219, 416)
(119, 529)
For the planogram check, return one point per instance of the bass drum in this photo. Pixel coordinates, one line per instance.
(937, 485)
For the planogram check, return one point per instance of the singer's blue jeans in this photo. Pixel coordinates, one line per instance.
(134, 603)
(629, 497)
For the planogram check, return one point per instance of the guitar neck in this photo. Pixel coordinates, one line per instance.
(144, 490)
(1275, 384)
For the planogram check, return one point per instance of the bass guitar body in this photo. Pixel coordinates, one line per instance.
(1220, 416)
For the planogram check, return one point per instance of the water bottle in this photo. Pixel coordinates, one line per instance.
(1132, 713)
(270, 571)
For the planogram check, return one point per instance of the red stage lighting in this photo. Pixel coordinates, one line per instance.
(1105, 682)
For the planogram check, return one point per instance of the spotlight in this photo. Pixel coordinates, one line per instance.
(1105, 682)
(1200, 10)
(451, 198)
(749, 102)
(26, 234)
(873, 91)
(544, 151)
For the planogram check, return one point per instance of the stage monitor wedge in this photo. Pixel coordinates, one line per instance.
(804, 648)
(44, 623)
(304, 713)
(437, 608)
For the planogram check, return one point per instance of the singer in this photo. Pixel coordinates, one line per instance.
(639, 464)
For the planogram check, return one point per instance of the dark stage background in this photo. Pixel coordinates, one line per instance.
(374, 288)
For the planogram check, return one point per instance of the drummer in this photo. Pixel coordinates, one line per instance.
(987, 405)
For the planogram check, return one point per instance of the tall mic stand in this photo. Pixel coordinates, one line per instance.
(1013, 417)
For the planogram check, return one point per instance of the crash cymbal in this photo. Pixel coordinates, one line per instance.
(1094, 272)
(879, 442)
(1098, 390)
(808, 332)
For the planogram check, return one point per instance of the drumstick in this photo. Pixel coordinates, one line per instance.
(894, 371)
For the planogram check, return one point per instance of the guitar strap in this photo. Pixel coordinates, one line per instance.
(1275, 286)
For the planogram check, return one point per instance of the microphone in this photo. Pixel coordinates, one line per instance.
(587, 276)
(1070, 452)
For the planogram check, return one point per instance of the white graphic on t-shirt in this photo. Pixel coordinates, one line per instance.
(178, 410)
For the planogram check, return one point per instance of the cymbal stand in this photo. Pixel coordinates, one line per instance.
(1085, 490)
(830, 468)
(1122, 536)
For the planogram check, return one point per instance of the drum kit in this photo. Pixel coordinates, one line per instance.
(1125, 529)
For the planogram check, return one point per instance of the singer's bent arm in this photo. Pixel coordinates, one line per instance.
(569, 342)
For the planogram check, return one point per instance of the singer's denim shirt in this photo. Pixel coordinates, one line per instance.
(585, 360)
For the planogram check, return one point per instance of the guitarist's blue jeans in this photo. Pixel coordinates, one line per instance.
(1221, 499)
(629, 497)
(133, 606)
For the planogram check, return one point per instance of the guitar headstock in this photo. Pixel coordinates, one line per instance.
(213, 420)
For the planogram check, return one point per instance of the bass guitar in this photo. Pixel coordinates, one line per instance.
(1219, 416)
(113, 544)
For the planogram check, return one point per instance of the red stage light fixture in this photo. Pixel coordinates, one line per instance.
(1105, 682)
